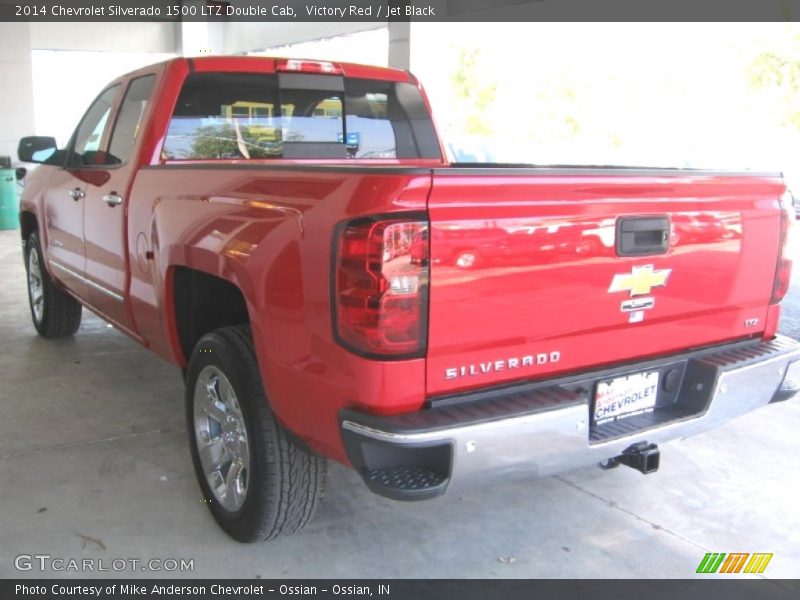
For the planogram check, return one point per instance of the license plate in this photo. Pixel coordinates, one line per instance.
(625, 396)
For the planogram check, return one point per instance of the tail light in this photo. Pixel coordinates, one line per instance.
(380, 287)
(294, 65)
(783, 272)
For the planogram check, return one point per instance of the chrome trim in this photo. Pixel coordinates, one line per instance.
(112, 199)
(76, 194)
(35, 285)
(88, 282)
(550, 442)
(220, 436)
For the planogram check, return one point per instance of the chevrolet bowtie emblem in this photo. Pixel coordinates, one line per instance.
(640, 281)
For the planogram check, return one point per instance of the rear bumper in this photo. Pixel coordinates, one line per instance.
(544, 428)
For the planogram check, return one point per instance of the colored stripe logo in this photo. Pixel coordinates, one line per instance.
(734, 562)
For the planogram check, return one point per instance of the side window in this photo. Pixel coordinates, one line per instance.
(90, 131)
(388, 120)
(129, 120)
(369, 130)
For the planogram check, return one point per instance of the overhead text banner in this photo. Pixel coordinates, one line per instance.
(376, 11)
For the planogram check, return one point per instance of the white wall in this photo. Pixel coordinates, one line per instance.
(367, 47)
(102, 51)
(243, 37)
(105, 37)
(71, 62)
(66, 82)
(16, 100)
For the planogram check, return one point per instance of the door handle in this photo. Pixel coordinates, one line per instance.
(112, 199)
(642, 236)
(77, 194)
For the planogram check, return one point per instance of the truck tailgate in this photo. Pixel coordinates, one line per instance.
(527, 280)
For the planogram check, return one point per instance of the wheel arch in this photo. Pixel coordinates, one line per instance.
(200, 302)
(28, 225)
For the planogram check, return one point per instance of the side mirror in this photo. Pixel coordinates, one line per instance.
(37, 149)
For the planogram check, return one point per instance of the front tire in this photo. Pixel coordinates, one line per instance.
(54, 313)
(257, 481)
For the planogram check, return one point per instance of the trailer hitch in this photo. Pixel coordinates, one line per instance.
(643, 457)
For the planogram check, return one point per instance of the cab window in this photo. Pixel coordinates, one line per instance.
(89, 134)
(129, 120)
(294, 115)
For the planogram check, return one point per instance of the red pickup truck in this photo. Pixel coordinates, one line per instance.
(290, 234)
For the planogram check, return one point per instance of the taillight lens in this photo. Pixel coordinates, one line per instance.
(381, 287)
(783, 273)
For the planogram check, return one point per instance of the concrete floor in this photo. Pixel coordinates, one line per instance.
(94, 463)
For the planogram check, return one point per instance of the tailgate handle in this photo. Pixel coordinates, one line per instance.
(642, 236)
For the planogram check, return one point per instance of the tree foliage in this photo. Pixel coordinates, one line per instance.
(220, 141)
(476, 95)
(779, 72)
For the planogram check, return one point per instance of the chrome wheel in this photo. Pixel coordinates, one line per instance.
(221, 438)
(35, 287)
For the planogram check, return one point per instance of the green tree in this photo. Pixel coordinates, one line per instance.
(220, 141)
(476, 95)
(779, 72)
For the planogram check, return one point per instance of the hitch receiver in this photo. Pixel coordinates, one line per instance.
(643, 457)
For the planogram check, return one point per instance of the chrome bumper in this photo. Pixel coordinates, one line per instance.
(421, 455)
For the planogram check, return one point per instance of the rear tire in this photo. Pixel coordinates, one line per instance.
(54, 313)
(257, 481)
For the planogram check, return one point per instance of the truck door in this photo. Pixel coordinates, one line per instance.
(65, 198)
(106, 207)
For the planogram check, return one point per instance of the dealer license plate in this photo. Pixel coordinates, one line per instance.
(625, 396)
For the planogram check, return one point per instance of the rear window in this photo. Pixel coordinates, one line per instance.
(257, 116)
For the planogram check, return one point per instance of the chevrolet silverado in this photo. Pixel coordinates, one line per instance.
(290, 234)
